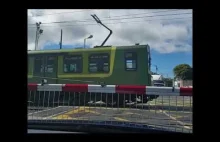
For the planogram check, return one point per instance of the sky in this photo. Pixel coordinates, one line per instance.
(168, 32)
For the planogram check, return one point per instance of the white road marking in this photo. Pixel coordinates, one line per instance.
(43, 110)
(180, 122)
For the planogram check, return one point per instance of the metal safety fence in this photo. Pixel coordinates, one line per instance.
(164, 108)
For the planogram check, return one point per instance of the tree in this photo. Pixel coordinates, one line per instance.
(168, 82)
(183, 71)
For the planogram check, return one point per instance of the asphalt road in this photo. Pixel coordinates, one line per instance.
(174, 120)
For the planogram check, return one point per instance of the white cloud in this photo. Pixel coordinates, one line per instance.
(153, 31)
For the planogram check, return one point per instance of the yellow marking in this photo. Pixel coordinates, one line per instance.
(80, 118)
(99, 75)
(75, 111)
(62, 117)
(80, 109)
(120, 119)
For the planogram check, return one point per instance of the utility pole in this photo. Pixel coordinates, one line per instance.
(156, 68)
(61, 39)
(38, 32)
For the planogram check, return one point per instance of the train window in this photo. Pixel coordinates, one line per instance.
(99, 63)
(72, 64)
(50, 64)
(130, 61)
(38, 65)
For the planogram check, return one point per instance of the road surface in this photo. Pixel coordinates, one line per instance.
(173, 120)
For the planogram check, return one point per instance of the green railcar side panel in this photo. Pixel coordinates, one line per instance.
(116, 75)
(138, 77)
(30, 66)
(51, 76)
(85, 76)
(36, 76)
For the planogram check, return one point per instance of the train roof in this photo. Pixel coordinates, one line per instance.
(107, 48)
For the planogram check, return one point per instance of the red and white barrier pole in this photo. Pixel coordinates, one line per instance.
(123, 89)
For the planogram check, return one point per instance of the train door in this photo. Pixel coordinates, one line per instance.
(45, 67)
(50, 72)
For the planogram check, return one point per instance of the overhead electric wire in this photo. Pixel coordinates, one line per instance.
(58, 13)
(128, 22)
(96, 9)
(86, 20)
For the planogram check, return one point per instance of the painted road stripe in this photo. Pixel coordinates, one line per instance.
(120, 119)
(75, 111)
(54, 115)
(57, 113)
(43, 110)
(63, 117)
(180, 122)
(68, 118)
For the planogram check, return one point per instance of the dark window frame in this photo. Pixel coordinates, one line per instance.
(134, 54)
(42, 62)
(54, 63)
(98, 54)
(81, 62)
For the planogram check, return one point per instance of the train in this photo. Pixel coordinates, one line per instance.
(122, 65)
(105, 65)
(127, 65)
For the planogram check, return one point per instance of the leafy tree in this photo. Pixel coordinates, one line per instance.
(168, 82)
(183, 71)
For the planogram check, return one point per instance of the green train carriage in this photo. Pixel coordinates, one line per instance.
(126, 65)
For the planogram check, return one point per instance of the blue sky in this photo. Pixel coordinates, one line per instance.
(165, 62)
